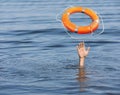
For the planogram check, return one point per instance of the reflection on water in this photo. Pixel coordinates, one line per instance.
(81, 77)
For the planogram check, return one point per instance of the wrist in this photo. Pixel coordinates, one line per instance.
(81, 62)
(82, 57)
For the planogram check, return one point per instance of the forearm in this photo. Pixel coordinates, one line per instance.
(81, 62)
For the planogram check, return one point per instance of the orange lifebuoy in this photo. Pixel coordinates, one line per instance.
(80, 29)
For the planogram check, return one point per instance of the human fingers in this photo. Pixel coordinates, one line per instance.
(79, 45)
(77, 48)
(83, 44)
(88, 49)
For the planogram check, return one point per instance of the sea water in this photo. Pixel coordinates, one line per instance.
(37, 56)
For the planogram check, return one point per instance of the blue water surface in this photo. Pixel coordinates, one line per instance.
(37, 56)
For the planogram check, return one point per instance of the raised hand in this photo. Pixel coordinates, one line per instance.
(82, 51)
